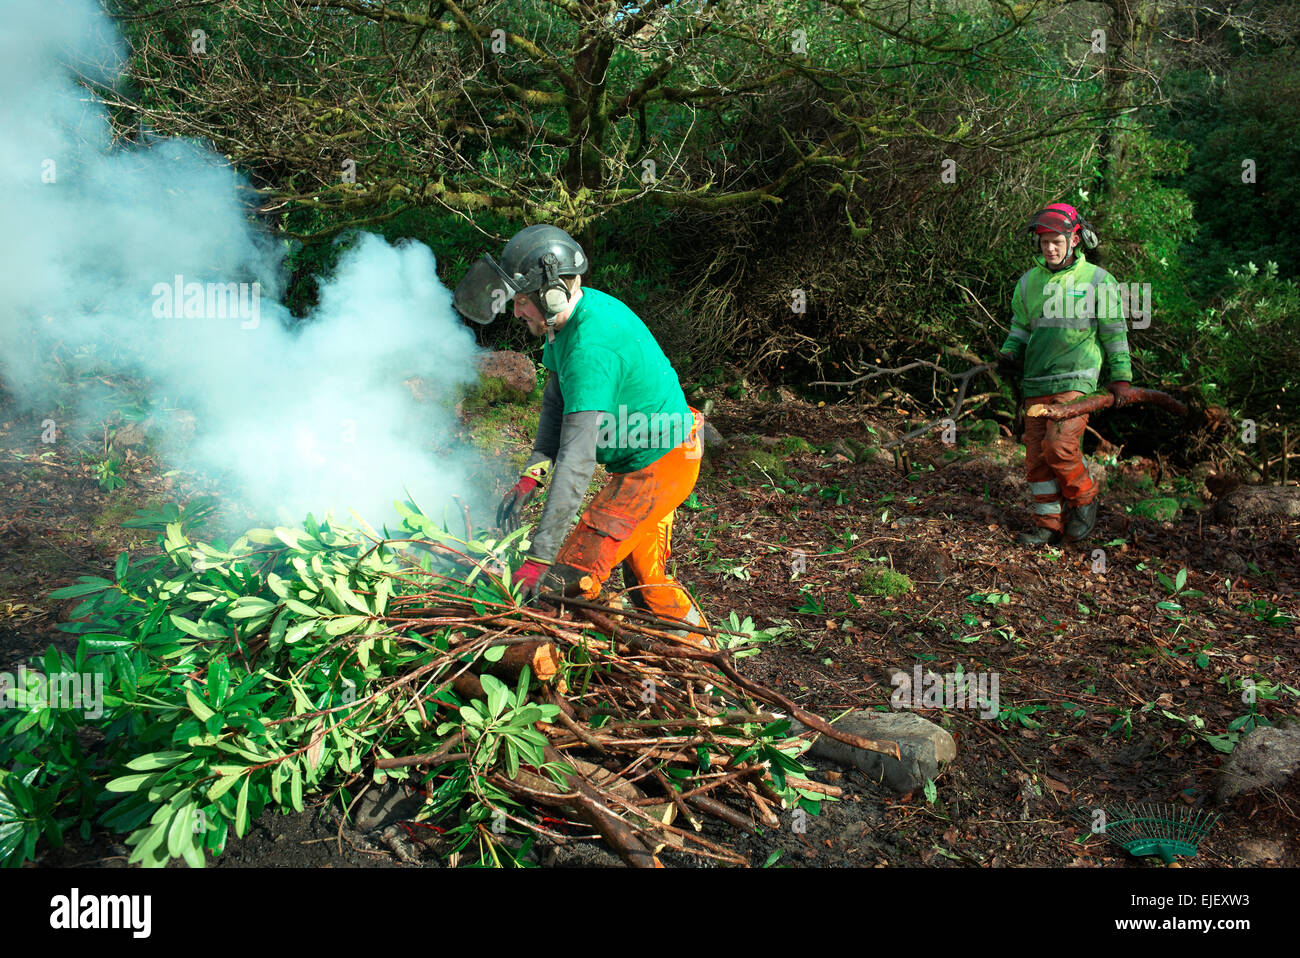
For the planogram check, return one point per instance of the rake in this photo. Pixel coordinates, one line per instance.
(1164, 830)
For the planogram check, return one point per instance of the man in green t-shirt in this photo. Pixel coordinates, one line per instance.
(611, 398)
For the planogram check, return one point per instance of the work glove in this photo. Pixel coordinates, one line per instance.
(1120, 390)
(512, 503)
(1008, 365)
(536, 578)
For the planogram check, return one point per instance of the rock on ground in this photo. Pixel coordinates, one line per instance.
(422, 390)
(1244, 504)
(385, 805)
(514, 369)
(714, 442)
(925, 748)
(1259, 851)
(129, 435)
(1004, 482)
(1267, 758)
(176, 425)
(579, 855)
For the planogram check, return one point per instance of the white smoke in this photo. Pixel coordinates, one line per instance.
(119, 255)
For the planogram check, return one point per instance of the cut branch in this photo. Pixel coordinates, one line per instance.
(1096, 402)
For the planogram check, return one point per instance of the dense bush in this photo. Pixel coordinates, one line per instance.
(1248, 347)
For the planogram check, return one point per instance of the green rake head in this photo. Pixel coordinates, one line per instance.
(1141, 830)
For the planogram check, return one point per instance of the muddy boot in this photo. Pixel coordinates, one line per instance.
(1041, 536)
(1082, 519)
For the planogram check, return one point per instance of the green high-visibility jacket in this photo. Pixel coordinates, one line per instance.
(1064, 324)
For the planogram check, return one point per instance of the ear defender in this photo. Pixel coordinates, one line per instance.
(554, 295)
(555, 299)
(1067, 221)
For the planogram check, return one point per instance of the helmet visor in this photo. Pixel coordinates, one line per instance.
(483, 292)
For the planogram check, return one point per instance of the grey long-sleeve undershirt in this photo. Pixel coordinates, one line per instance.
(575, 462)
(547, 444)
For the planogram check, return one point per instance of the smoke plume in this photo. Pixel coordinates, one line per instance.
(138, 260)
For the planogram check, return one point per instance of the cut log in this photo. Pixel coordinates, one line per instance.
(719, 810)
(1086, 405)
(584, 801)
(541, 657)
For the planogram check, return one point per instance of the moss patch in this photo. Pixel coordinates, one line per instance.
(765, 460)
(985, 430)
(793, 445)
(505, 429)
(884, 582)
(1161, 509)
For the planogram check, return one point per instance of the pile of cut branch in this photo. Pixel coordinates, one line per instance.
(650, 731)
(329, 659)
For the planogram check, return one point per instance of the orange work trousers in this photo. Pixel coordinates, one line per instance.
(630, 521)
(1054, 463)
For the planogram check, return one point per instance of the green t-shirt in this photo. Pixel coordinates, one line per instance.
(607, 360)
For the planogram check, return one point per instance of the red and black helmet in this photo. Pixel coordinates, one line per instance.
(1060, 218)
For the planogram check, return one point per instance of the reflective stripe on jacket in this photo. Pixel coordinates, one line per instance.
(1063, 326)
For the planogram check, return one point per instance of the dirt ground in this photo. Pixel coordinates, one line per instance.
(1106, 697)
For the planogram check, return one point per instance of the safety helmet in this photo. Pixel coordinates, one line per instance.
(1060, 218)
(534, 262)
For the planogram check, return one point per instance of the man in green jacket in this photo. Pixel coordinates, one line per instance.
(1067, 321)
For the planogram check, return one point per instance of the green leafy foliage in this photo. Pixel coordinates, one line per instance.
(989, 598)
(108, 473)
(259, 674)
(745, 639)
(235, 678)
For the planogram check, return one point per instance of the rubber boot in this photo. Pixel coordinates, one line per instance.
(1041, 536)
(1082, 519)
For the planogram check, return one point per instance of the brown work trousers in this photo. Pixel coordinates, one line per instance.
(630, 521)
(1054, 463)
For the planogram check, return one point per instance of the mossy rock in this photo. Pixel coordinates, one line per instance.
(858, 451)
(985, 430)
(494, 391)
(793, 445)
(765, 460)
(506, 376)
(1160, 509)
(1141, 483)
(884, 582)
(851, 449)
